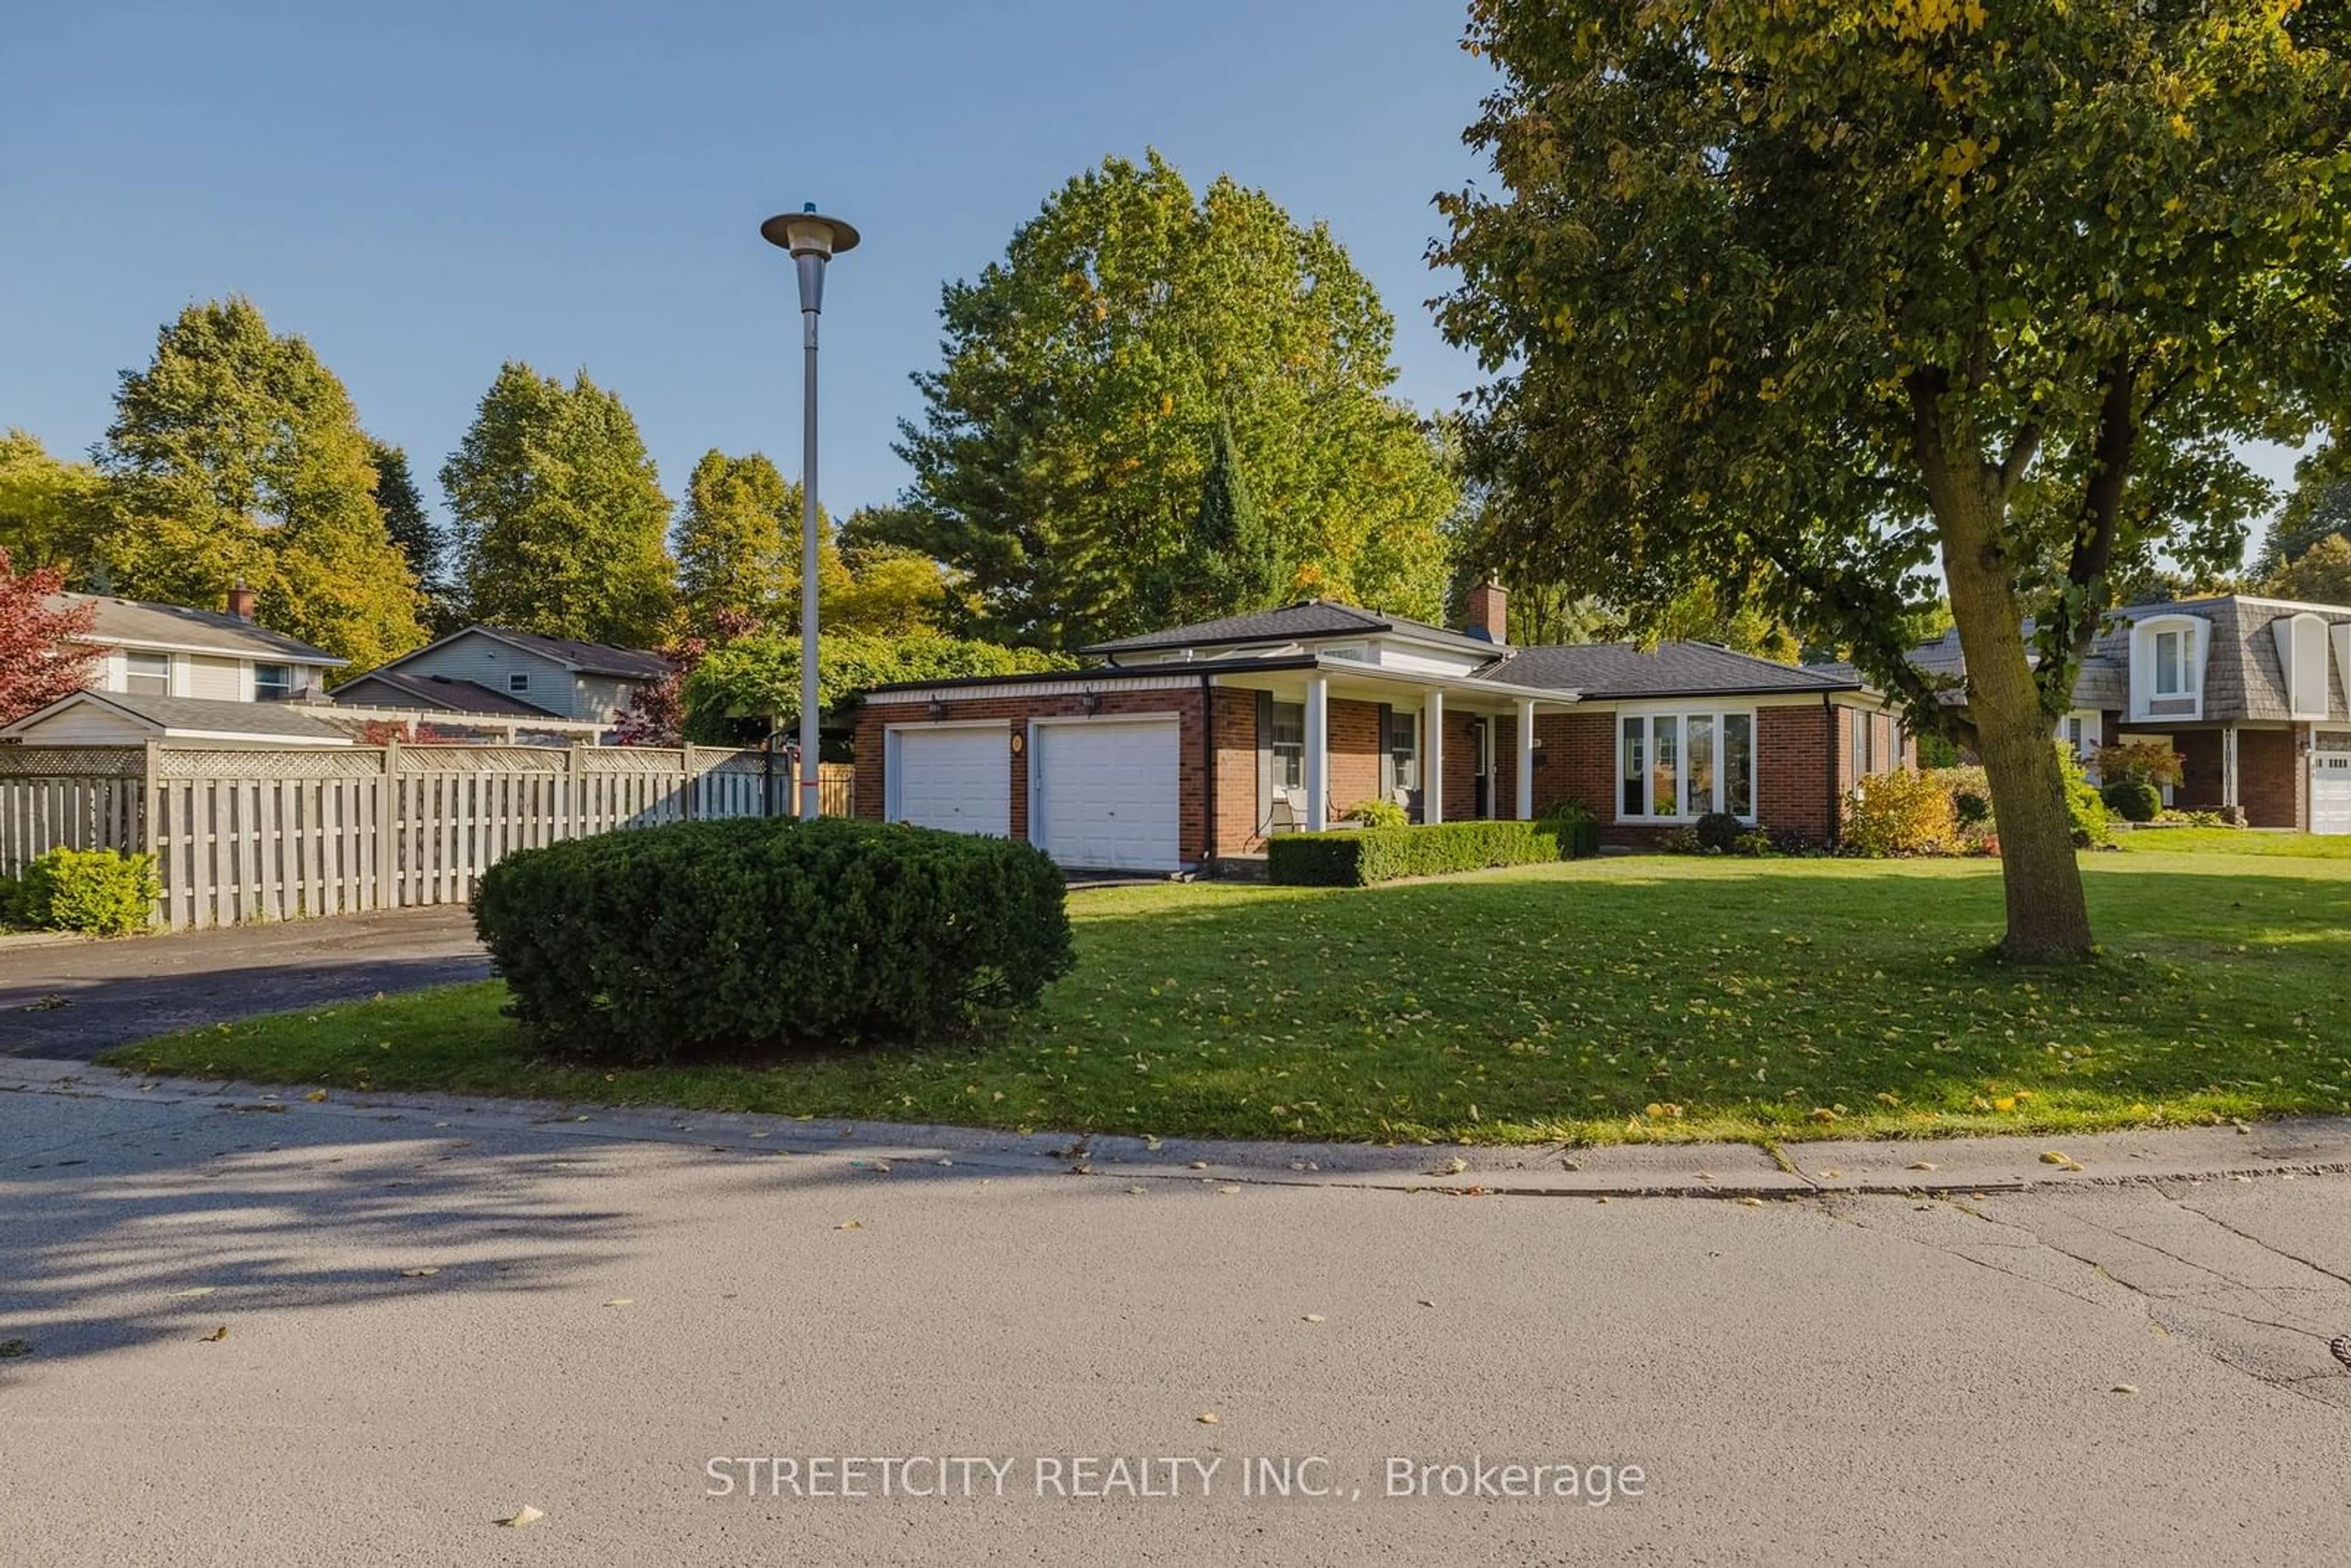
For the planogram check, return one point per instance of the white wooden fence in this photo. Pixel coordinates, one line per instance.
(277, 834)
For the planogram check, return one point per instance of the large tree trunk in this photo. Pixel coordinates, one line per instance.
(2048, 918)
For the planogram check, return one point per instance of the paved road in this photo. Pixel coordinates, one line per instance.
(73, 999)
(434, 1318)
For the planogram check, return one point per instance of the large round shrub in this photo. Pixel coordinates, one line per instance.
(1718, 831)
(2134, 799)
(701, 938)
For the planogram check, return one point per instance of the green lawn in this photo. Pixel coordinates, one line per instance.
(1637, 998)
(2235, 841)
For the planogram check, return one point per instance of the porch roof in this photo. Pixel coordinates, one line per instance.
(1249, 672)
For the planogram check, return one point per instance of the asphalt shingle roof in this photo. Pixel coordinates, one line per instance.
(286, 720)
(138, 621)
(592, 658)
(442, 692)
(1603, 671)
(1308, 618)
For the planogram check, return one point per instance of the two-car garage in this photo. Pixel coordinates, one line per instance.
(1103, 793)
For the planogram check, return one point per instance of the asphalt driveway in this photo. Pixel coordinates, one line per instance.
(72, 1000)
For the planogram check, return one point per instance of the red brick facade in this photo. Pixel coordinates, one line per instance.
(1799, 748)
(2270, 768)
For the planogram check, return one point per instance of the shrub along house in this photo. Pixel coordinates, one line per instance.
(1186, 747)
(2249, 691)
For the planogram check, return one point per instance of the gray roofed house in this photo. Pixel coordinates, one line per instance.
(123, 719)
(558, 676)
(390, 688)
(2250, 691)
(153, 649)
(1190, 746)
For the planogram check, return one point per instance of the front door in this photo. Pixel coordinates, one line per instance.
(1481, 748)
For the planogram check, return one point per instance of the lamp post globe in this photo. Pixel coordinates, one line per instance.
(812, 239)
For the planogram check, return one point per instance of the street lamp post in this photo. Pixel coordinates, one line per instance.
(812, 240)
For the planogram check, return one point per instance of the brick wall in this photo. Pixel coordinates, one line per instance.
(1578, 762)
(2201, 786)
(1236, 726)
(1798, 748)
(2270, 771)
(873, 719)
(1354, 735)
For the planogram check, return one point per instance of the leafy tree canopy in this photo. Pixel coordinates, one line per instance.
(1806, 298)
(2318, 505)
(236, 455)
(52, 513)
(2319, 575)
(562, 527)
(1060, 464)
(754, 683)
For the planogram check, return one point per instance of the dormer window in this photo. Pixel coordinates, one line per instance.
(2302, 662)
(2166, 667)
(2171, 658)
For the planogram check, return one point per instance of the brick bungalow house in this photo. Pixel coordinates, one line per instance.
(2249, 691)
(1189, 747)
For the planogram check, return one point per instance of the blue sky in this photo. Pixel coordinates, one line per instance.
(427, 188)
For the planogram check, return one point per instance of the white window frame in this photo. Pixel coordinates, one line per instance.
(1280, 749)
(170, 673)
(293, 679)
(2090, 723)
(2195, 636)
(1717, 717)
(1405, 764)
(2302, 659)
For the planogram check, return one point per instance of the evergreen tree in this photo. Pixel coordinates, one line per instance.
(405, 519)
(562, 525)
(1232, 562)
(236, 456)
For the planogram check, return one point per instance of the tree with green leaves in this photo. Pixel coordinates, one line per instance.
(751, 687)
(405, 519)
(2319, 575)
(1060, 461)
(53, 513)
(1233, 560)
(737, 539)
(561, 526)
(236, 456)
(2317, 507)
(1817, 299)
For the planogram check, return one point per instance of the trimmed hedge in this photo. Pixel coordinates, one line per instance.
(103, 892)
(701, 938)
(1359, 858)
(2132, 800)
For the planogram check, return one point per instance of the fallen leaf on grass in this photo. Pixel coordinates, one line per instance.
(522, 1516)
(314, 1096)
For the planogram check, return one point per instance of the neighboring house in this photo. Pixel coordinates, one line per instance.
(390, 688)
(554, 675)
(1190, 745)
(2249, 691)
(209, 655)
(130, 719)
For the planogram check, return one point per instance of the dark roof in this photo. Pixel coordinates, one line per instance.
(1604, 672)
(1307, 618)
(587, 658)
(2242, 676)
(1094, 673)
(133, 621)
(441, 691)
(278, 720)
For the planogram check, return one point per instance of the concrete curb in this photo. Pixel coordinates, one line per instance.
(2317, 1145)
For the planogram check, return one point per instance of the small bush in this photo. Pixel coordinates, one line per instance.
(1718, 831)
(1379, 812)
(1971, 795)
(2141, 762)
(2091, 827)
(1679, 841)
(1756, 842)
(2132, 800)
(103, 892)
(704, 937)
(1576, 824)
(1901, 815)
(1362, 857)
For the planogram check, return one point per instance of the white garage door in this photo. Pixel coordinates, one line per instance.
(956, 779)
(2330, 791)
(1106, 794)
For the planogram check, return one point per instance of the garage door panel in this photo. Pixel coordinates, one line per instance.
(958, 779)
(2330, 792)
(1108, 794)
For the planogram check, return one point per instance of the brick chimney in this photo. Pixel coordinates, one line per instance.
(1490, 612)
(240, 603)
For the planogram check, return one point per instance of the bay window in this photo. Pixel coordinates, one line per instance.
(1677, 767)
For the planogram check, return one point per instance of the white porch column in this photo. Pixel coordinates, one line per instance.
(1432, 757)
(1318, 753)
(2229, 767)
(1526, 801)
